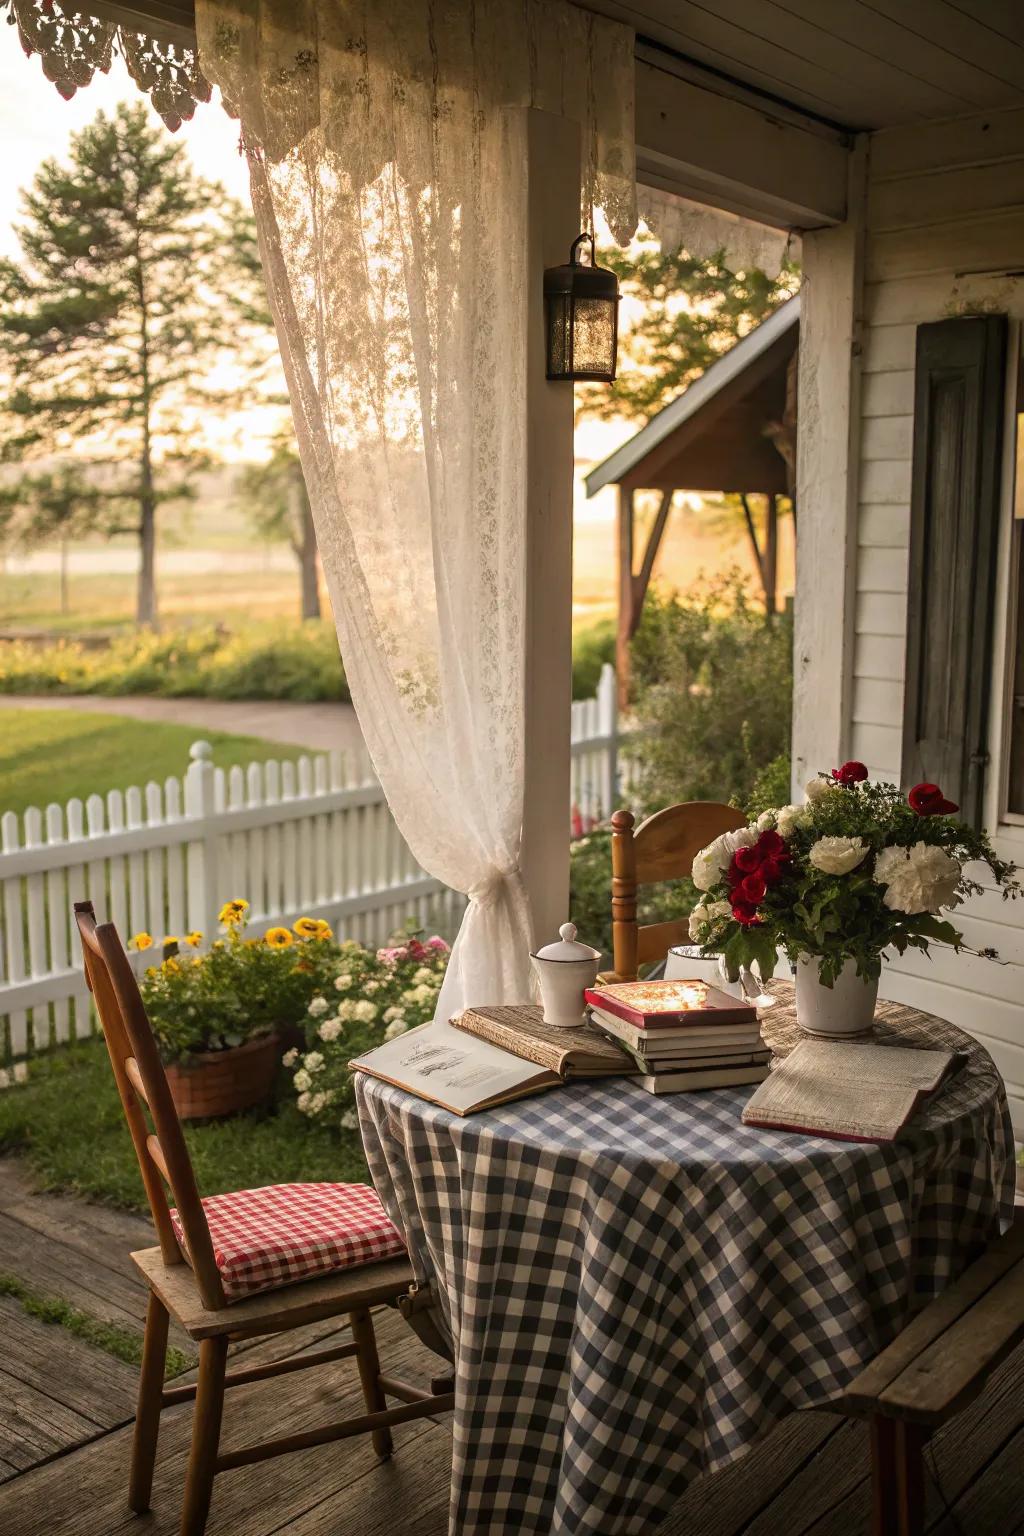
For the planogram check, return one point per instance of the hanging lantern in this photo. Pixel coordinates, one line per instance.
(581, 314)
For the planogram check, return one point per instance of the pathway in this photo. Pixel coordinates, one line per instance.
(320, 727)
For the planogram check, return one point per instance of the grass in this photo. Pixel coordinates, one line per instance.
(67, 1123)
(54, 754)
(123, 1343)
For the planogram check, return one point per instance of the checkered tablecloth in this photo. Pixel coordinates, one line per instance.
(638, 1288)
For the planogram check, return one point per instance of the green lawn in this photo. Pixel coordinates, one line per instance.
(54, 754)
(67, 1122)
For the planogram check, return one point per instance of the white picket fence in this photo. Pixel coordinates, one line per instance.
(311, 837)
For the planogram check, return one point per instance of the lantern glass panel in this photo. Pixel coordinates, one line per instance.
(593, 329)
(559, 325)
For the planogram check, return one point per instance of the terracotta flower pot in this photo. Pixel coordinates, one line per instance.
(217, 1083)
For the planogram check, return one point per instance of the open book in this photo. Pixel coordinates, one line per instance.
(856, 1091)
(520, 1028)
(464, 1073)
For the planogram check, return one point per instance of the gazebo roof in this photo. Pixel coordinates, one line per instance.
(712, 436)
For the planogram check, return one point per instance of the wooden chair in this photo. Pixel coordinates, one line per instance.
(192, 1290)
(661, 848)
(931, 1371)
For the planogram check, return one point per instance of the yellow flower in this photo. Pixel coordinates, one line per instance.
(278, 938)
(194, 939)
(171, 964)
(233, 912)
(169, 938)
(142, 941)
(312, 928)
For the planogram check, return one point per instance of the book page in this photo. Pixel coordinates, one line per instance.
(520, 1028)
(909, 1066)
(843, 1088)
(451, 1068)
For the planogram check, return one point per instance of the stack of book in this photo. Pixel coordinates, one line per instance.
(682, 1034)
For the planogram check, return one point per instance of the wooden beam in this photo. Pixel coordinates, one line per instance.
(553, 200)
(625, 617)
(699, 136)
(642, 580)
(827, 463)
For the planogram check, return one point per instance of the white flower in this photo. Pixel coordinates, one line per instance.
(712, 862)
(314, 1062)
(290, 1058)
(424, 973)
(349, 1120)
(817, 787)
(790, 818)
(329, 1030)
(921, 878)
(320, 1101)
(392, 1013)
(303, 1102)
(705, 913)
(346, 1008)
(766, 820)
(371, 985)
(318, 1006)
(395, 1028)
(698, 917)
(302, 1081)
(343, 982)
(838, 855)
(365, 1011)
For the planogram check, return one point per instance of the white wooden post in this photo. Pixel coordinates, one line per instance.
(608, 725)
(553, 219)
(201, 853)
(828, 448)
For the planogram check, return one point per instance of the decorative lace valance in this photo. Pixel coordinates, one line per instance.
(702, 231)
(72, 45)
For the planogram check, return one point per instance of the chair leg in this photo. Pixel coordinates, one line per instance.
(368, 1362)
(897, 1478)
(205, 1435)
(910, 1443)
(884, 1492)
(147, 1413)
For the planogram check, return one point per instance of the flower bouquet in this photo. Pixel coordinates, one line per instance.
(834, 883)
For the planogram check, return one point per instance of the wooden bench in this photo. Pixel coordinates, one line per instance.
(937, 1365)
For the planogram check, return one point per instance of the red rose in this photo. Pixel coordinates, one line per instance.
(928, 800)
(773, 868)
(747, 860)
(770, 845)
(849, 774)
(751, 888)
(745, 912)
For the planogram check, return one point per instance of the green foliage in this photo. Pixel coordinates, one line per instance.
(713, 695)
(591, 648)
(590, 893)
(68, 1124)
(259, 661)
(363, 998)
(689, 312)
(771, 786)
(854, 872)
(58, 503)
(123, 1343)
(237, 989)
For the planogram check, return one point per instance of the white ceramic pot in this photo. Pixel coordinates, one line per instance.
(841, 1011)
(564, 969)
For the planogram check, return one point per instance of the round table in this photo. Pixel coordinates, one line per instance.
(637, 1287)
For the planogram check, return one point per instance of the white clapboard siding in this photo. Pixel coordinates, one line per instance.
(311, 837)
(945, 217)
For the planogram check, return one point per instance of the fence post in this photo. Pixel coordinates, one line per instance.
(608, 725)
(201, 852)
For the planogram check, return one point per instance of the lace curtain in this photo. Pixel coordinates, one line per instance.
(387, 155)
(702, 231)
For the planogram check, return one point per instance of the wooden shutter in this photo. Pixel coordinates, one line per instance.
(959, 405)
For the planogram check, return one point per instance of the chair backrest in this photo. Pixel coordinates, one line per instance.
(143, 1086)
(661, 848)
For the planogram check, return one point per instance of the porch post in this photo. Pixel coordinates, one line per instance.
(553, 217)
(828, 446)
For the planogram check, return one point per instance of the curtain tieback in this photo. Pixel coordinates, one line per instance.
(487, 891)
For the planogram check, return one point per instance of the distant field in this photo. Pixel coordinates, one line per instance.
(48, 755)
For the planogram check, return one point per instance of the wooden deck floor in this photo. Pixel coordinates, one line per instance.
(66, 1407)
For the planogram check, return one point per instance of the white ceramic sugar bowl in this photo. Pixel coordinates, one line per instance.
(563, 970)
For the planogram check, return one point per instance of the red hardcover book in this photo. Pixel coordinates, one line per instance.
(669, 1004)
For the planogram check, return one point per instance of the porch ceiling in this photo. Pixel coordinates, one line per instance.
(858, 64)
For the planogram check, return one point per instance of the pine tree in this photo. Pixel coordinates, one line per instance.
(114, 315)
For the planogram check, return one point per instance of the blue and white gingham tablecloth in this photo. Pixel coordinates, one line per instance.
(638, 1288)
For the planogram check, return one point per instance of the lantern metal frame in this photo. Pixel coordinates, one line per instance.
(564, 287)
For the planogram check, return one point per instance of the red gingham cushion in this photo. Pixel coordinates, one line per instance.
(264, 1238)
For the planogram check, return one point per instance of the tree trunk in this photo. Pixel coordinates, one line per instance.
(145, 611)
(771, 556)
(304, 544)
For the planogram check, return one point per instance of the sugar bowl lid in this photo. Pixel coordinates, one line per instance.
(568, 947)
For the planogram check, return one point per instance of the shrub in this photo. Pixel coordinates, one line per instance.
(713, 695)
(591, 648)
(771, 787)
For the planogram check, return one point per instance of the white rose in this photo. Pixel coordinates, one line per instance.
(719, 909)
(922, 878)
(318, 1006)
(343, 982)
(346, 1008)
(837, 855)
(302, 1081)
(711, 863)
(766, 820)
(395, 1028)
(349, 1120)
(791, 818)
(314, 1062)
(698, 917)
(303, 1102)
(817, 787)
(365, 1011)
(423, 974)
(329, 1030)
(371, 985)
(290, 1058)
